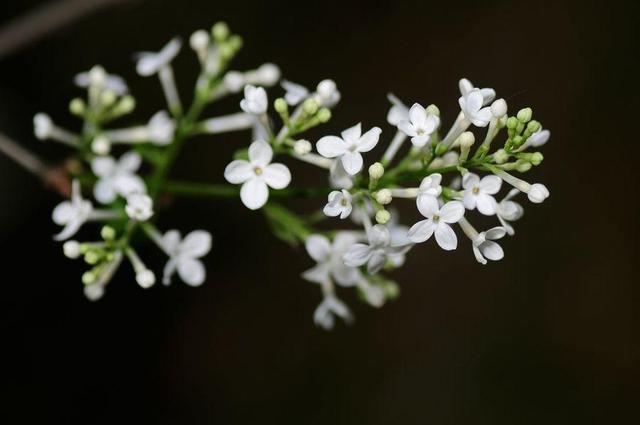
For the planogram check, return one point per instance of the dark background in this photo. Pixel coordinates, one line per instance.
(547, 336)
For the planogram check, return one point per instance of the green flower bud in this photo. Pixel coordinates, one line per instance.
(108, 233)
(391, 290)
(533, 126)
(432, 110)
(88, 278)
(524, 115)
(536, 158)
(383, 196)
(92, 257)
(126, 105)
(235, 42)
(280, 105)
(512, 122)
(519, 127)
(441, 149)
(77, 107)
(324, 115)
(376, 171)
(518, 141)
(523, 166)
(383, 216)
(310, 106)
(108, 98)
(220, 31)
(500, 156)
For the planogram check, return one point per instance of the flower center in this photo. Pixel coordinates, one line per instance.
(257, 170)
(343, 202)
(420, 131)
(436, 218)
(475, 190)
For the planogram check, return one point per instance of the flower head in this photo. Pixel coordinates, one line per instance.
(255, 100)
(349, 147)
(106, 81)
(420, 126)
(150, 63)
(72, 214)
(437, 221)
(328, 309)
(117, 177)
(376, 252)
(339, 204)
(478, 192)
(466, 87)
(161, 128)
(330, 266)
(184, 255)
(471, 105)
(484, 247)
(430, 188)
(295, 93)
(257, 175)
(139, 206)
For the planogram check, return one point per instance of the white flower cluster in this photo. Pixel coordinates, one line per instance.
(438, 171)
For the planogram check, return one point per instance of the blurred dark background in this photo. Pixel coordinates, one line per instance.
(549, 335)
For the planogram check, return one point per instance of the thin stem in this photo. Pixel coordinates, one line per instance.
(207, 190)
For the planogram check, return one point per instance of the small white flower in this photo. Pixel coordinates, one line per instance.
(257, 175)
(145, 278)
(72, 249)
(331, 267)
(161, 128)
(72, 214)
(328, 309)
(508, 210)
(295, 93)
(399, 237)
(42, 125)
(150, 63)
(184, 256)
(110, 82)
(327, 93)
(437, 221)
(471, 105)
(430, 189)
(466, 87)
(536, 140)
(255, 100)
(116, 177)
(339, 204)
(398, 111)
(234, 81)
(338, 177)
(484, 247)
(302, 147)
(376, 253)
(420, 126)
(139, 206)
(538, 193)
(373, 294)
(478, 192)
(349, 147)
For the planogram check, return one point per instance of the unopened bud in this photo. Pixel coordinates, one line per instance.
(280, 105)
(310, 106)
(383, 217)
(376, 171)
(432, 110)
(71, 249)
(524, 115)
(101, 146)
(500, 156)
(499, 108)
(302, 147)
(77, 107)
(383, 196)
(108, 233)
(324, 115)
(220, 31)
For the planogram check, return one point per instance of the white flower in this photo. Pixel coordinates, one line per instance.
(373, 294)
(72, 214)
(466, 87)
(145, 278)
(72, 249)
(44, 128)
(420, 126)
(327, 93)
(338, 177)
(508, 210)
(161, 128)
(325, 313)
(478, 192)
(295, 93)
(430, 188)
(256, 174)
(398, 111)
(139, 206)
(484, 247)
(471, 105)
(184, 256)
(538, 193)
(302, 147)
(331, 267)
(117, 177)
(150, 63)
(349, 147)
(339, 204)
(536, 140)
(374, 254)
(437, 221)
(110, 82)
(399, 237)
(255, 100)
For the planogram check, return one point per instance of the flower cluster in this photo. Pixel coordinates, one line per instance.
(438, 172)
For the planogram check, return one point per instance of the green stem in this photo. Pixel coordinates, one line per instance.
(207, 190)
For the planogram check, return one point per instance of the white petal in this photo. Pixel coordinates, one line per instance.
(495, 233)
(196, 244)
(317, 274)
(486, 204)
(254, 193)
(427, 205)
(346, 276)
(492, 251)
(490, 184)
(407, 128)
(417, 115)
(126, 184)
(357, 255)
(379, 236)
(369, 140)
(104, 191)
(420, 141)
(331, 146)
(332, 210)
(103, 166)
(277, 176)
(352, 134)
(352, 162)
(488, 95)
(69, 230)
(171, 241)
(421, 231)
(465, 86)
(482, 117)
(470, 180)
(260, 153)
(129, 162)
(63, 213)
(376, 262)
(446, 237)
(238, 171)
(191, 271)
(452, 212)
(318, 247)
(474, 101)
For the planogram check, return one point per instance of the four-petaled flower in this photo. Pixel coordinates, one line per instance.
(150, 63)
(139, 206)
(72, 214)
(256, 174)
(484, 247)
(471, 105)
(117, 177)
(295, 93)
(478, 192)
(331, 266)
(325, 313)
(437, 221)
(466, 87)
(184, 256)
(255, 100)
(349, 147)
(339, 204)
(430, 189)
(420, 126)
(508, 210)
(376, 252)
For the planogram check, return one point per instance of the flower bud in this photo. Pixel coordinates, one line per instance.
(524, 115)
(101, 146)
(108, 98)
(108, 233)
(92, 257)
(324, 115)
(77, 107)
(383, 196)
(383, 216)
(499, 108)
(280, 105)
(500, 156)
(126, 105)
(536, 158)
(432, 110)
(302, 147)
(376, 171)
(88, 277)
(199, 40)
(533, 126)
(71, 249)
(220, 31)
(512, 122)
(310, 106)
(145, 278)
(326, 88)
(538, 193)
(523, 166)
(268, 74)
(466, 139)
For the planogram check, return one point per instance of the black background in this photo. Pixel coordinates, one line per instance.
(547, 336)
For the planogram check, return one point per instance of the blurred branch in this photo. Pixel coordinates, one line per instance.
(46, 19)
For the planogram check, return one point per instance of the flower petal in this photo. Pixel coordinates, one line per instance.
(260, 153)
(238, 171)
(357, 255)
(129, 162)
(254, 193)
(352, 162)
(421, 231)
(417, 115)
(103, 165)
(331, 146)
(446, 237)
(63, 213)
(171, 241)
(492, 251)
(491, 184)
(495, 233)
(318, 247)
(427, 205)
(317, 274)
(376, 262)
(346, 276)
(407, 128)
(474, 101)
(196, 244)
(369, 140)
(191, 271)
(452, 212)
(486, 204)
(277, 176)
(352, 134)
(379, 236)
(470, 180)
(104, 191)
